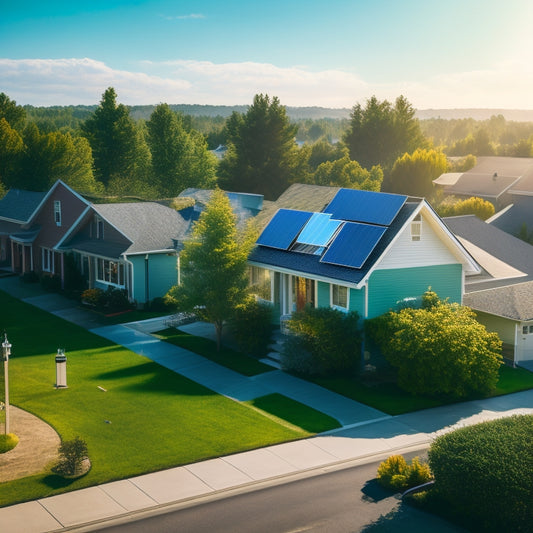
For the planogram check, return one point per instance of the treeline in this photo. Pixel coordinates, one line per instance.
(112, 149)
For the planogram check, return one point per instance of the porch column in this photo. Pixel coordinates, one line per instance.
(62, 271)
(23, 258)
(12, 256)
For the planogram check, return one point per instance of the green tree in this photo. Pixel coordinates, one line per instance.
(214, 279)
(439, 349)
(349, 174)
(413, 174)
(52, 156)
(381, 132)
(116, 144)
(13, 113)
(180, 157)
(262, 154)
(11, 151)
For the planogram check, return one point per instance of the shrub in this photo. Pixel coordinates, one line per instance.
(251, 326)
(93, 297)
(396, 474)
(159, 304)
(74, 280)
(29, 277)
(72, 454)
(116, 299)
(331, 338)
(8, 442)
(439, 349)
(485, 473)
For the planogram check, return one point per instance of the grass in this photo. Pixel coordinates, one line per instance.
(391, 399)
(149, 419)
(226, 357)
(295, 413)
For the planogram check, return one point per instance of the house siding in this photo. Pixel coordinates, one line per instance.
(428, 251)
(162, 275)
(323, 294)
(387, 287)
(357, 301)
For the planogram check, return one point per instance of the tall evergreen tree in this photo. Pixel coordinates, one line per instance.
(180, 157)
(114, 140)
(262, 154)
(379, 133)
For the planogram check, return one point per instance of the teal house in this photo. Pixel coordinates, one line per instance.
(364, 251)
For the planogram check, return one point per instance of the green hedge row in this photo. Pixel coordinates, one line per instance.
(485, 472)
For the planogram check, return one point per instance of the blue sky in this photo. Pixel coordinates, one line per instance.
(446, 54)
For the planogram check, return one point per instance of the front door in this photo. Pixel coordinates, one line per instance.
(303, 292)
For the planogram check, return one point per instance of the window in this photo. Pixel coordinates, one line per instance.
(47, 260)
(416, 228)
(57, 212)
(111, 272)
(260, 282)
(524, 330)
(97, 228)
(339, 296)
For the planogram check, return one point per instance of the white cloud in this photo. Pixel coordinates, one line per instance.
(82, 81)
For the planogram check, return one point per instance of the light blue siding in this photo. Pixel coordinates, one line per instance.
(357, 301)
(387, 287)
(322, 294)
(162, 275)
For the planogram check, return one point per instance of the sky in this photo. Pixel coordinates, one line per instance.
(439, 54)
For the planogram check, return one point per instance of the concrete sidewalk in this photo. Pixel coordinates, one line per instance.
(218, 477)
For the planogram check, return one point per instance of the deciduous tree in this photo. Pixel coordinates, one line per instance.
(214, 279)
(13, 113)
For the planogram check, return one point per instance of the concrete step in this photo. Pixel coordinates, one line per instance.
(271, 362)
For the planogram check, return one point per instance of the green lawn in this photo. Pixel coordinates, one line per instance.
(389, 398)
(227, 357)
(149, 419)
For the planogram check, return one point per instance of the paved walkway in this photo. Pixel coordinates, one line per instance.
(367, 435)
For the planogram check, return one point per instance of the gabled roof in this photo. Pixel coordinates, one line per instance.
(524, 186)
(149, 226)
(505, 259)
(490, 178)
(18, 205)
(318, 262)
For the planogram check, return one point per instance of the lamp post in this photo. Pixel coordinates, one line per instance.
(6, 352)
(61, 369)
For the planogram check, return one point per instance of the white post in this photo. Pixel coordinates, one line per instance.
(6, 352)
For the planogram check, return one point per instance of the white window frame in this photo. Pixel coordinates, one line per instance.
(47, 260)
(331, 297)
(104, 272)
(57, 212)
(99, 227)
(416, 229)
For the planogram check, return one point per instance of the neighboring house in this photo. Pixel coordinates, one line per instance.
(33, 224)
(130, 246)
(357, 251)
(491, 179)
(517, 217)
(244, 205)
(502, 294)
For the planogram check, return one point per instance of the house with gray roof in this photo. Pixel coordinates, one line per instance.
(491, 179)
(356, 251)
(33, 223)
(502, 293)
(130, 246)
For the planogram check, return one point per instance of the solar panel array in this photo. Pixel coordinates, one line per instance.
(283, 229)
(345, 234)
(353, 244)
(365, 206)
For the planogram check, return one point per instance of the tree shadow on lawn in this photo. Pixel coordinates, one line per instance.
(157, 379)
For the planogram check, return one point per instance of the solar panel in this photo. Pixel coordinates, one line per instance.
(365, 206)
(318, 230)
(353, 244)
(283, 228)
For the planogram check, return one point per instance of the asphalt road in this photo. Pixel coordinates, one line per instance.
(341, 501)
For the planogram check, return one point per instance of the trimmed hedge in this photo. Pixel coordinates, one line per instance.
(485, 472)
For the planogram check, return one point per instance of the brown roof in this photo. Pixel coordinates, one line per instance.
(300, 196)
